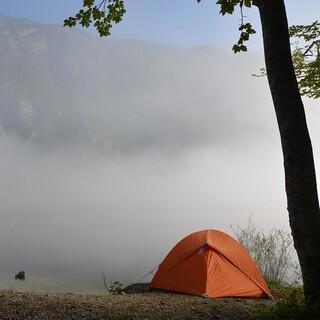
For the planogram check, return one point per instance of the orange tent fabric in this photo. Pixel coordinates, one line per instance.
(210, 263)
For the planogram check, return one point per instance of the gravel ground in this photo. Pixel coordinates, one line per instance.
(142, 306)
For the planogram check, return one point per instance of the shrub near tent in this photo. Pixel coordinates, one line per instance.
(210, 263)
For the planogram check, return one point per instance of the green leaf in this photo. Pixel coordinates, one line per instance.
(248, 3)
(88, 3)
(103, 15)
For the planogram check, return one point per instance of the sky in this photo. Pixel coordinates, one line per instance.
(179, 22)
(108, 161)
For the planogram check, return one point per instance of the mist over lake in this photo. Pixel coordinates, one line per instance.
(113, 150)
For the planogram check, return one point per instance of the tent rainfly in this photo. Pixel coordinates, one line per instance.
(210, 263)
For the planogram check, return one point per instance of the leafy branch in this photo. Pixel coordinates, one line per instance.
(305, 57)
(103, 15)
(246, 29)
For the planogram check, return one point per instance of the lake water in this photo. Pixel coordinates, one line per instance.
(91, 282)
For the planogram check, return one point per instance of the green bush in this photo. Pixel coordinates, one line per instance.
(282, 292)
(290, 306)
(115, 287)
(272, 251)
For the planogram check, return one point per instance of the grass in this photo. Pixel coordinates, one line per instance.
(289, 305)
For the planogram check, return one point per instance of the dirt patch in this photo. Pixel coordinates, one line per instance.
(147, 305)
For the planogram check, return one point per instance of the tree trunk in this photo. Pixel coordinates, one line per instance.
(300, 177)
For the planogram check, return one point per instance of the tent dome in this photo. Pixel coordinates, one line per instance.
(210, 263)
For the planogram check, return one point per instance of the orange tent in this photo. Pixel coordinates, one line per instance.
(210, 263)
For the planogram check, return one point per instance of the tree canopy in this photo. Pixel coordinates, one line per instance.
(305, 48)
(306, 57)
